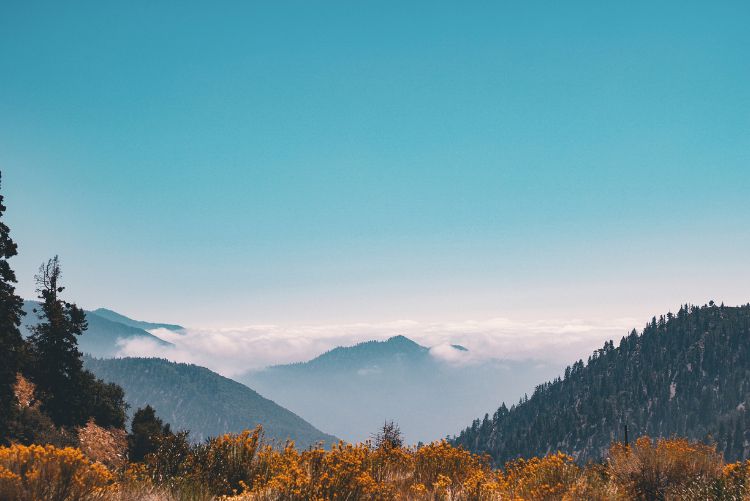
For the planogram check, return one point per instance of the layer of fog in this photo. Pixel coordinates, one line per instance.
(234, 351)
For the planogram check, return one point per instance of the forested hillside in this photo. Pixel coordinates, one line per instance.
(686, 374)
(193, 398)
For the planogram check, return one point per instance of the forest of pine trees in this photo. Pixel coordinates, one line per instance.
(686, 375)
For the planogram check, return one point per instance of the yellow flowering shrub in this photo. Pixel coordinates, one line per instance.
(540, 479)
(227, 464)
(445, 471)
(240, 467)
(35, 472)
(735, 480)
(662, 469)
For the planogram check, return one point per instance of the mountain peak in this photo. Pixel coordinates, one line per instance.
(401, 340)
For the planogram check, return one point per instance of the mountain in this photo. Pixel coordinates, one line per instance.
(122, 319)
(196, 399)
(103, 334)
(686, 374)
(353, 390)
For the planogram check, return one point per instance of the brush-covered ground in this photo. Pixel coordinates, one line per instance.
(243, 467)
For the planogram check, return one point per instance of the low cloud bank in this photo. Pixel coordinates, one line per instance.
(233, 351)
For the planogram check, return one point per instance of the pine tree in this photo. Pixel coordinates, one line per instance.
(57, 366)
(11, 342)
(389, 436)
(146, 430)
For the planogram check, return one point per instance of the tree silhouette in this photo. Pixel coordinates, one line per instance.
(146, 430)
(69, 394)
(11, 341)
(389, 436)
(57, 367)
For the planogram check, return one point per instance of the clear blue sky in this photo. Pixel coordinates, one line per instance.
(222, 163)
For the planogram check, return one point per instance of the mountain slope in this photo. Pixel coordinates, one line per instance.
(122, 319)
(353, 390)
(197, 399)
(686, 374)
(102, 336)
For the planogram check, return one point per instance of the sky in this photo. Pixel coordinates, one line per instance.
(226, 165)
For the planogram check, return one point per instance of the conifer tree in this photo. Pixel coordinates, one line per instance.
(11, 342)
(57, 366)
(146, 430)
(389, 436)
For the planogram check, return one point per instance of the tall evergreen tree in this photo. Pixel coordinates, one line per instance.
(146, 431)
(57, 366)
(11, 342)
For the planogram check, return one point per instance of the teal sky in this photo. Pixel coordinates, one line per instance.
(227, 163)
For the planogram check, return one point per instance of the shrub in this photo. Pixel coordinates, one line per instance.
(736, 480)
(444, 471)
(227, 464)
(547, 478)
(171, 459)
(32, 473)
(657, 471)
(107, 446)
(30, 425)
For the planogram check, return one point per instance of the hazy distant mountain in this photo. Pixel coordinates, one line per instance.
(197, 399)
(686, 374)
(352, 390)
(102, 336)
(122, 319)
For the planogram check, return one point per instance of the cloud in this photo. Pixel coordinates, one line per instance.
(232, 351)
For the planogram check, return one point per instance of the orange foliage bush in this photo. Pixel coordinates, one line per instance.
(658, 470)
(544, 478)
(666, 469)
(240, 467)
(33, 473)
(24, 390)
(107, 446)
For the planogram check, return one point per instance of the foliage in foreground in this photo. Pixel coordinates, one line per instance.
(35, 472)
(243, 468)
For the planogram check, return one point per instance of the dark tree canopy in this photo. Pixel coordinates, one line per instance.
(69, 394)
(57, 367)
(146, 431)
(11, 341)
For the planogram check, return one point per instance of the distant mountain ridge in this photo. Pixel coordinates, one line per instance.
(103, 334)
(686, 374)
(122, 319)
(353, 390)
(194, 398)
(344, 357)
